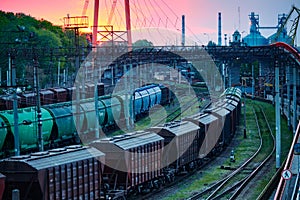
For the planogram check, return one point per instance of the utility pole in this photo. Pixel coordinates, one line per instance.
(38, 104)
(277, 115)
(245, 132)
(95, 73)
(253, 81)
(12, 82)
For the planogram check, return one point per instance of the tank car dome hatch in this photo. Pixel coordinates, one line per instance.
(254, 38)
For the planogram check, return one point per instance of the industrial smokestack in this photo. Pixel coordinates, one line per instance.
(219, 30)
(183, 31)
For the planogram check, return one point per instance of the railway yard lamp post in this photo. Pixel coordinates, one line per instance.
(12, 83)
(244, 105)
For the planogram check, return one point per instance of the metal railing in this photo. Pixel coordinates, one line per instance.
(283, 183)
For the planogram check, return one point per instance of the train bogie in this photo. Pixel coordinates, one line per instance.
(73, 172)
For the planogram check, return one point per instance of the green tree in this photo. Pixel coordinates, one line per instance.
(142, 43)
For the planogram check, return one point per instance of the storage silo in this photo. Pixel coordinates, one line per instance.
(282, 36)
(254, 38)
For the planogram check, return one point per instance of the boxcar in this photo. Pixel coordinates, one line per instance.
(90, 90)
(6, 102)
(46, 97)
(133, 160)
(28, 99)
(60, 94)
(233, 115)
(209, 126)
(73, 172)
(165, 95)
(70, 91)
(182, 140)
(100, 87)
(225, 122)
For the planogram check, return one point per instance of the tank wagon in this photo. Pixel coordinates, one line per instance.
(49, 96)
(61, 123)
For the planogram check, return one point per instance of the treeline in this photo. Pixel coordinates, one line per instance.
(19, 32)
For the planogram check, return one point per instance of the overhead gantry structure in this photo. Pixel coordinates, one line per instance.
(127, 16)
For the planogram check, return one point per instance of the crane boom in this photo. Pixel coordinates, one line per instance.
(293, 30)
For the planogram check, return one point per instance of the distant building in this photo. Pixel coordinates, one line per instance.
(254, 38)
(283, 36)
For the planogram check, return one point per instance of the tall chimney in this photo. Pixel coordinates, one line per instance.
(219, 30)
(183, 31)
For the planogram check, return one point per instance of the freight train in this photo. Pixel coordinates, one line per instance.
(48, 96)
(59, 127)
(134, 162)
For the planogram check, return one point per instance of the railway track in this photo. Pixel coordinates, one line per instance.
(179, 111)
(234, 183)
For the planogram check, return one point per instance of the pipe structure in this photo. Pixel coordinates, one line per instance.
(219, 30)
(183, 31)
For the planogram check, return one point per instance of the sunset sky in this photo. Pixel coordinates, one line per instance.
(201, 15)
